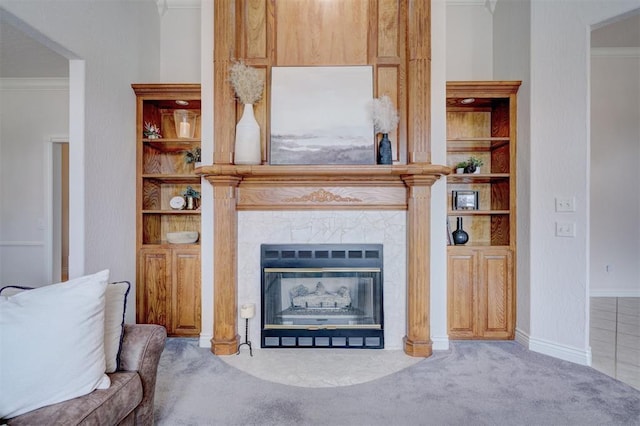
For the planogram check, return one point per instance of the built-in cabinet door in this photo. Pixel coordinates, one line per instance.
(480, 293)
(461, 309)
(186, 292)
(495, 294)
(154, 287)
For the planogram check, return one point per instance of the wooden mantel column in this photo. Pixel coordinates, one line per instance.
(225, 270)
(417, 341)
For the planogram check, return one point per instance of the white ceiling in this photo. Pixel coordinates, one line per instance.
(21, 56)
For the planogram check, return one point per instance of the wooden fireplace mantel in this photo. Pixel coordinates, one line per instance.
(391, 37)
(264, 187)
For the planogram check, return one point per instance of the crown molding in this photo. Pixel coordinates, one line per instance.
(490, 5)
(164, 5)
(466, 2)
(59, 83)
(616, 52)
(183, 4)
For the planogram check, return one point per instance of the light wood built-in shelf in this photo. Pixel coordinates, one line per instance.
(481, 123)
(187, 212)
(172, 145)
(172, 179)
(166, 245)
(477, 178)
(168, 275)
(477, 212)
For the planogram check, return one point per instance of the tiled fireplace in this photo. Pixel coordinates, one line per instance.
(385, 228)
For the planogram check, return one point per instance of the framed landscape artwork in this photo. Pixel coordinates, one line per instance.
(321, 115)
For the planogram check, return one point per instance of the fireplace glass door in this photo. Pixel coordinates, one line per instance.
(320, 296)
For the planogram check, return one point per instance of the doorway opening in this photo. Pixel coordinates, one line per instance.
(60, 210)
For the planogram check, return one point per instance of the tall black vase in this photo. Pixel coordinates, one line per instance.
(384, 150)
(460, 236)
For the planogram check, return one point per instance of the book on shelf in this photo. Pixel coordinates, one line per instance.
(449, 233)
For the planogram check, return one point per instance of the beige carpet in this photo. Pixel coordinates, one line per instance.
(320, 367)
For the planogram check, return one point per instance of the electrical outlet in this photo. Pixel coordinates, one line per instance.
(565, 229)
(565, 204)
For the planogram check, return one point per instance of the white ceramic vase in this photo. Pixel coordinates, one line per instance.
(247, 149)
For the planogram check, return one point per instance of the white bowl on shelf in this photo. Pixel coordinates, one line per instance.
(185, 237)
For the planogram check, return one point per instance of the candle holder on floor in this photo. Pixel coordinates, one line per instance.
(246, 311)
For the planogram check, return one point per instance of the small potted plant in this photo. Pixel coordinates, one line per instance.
(473, 165)
(460, 167)
(191, 196)
(193, 156)
(151, 131)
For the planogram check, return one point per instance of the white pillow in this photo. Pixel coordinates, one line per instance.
(115, 304)
(52, 344)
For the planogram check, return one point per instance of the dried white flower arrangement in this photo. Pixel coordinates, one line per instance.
(247, 82)
(385, 116)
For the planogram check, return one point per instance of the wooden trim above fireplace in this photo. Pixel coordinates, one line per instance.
(323, 187)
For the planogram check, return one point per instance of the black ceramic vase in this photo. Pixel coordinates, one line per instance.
(384, 150)
(460, 236)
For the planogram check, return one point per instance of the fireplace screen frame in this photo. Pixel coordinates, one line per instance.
(355, 321)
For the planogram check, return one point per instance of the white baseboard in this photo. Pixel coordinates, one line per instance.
(440, 343)
(615, 293)
(522, 338)
(566, 353)
(205, 340)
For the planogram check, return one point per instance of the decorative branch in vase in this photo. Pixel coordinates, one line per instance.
(385, 120)
(248, 84)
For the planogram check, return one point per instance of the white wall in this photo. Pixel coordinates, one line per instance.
(560, 167)
(119, 44)
(469, 39)
(511, 61)
(207, 213)
(615, 154)
(180, 42)
(32, 111)
(438, 261)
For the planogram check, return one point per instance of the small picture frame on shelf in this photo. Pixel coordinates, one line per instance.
(464, 200)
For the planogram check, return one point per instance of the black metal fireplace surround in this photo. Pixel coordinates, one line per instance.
(322, 296)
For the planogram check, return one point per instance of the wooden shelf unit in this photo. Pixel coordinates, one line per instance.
(481, 122)
(168, 275)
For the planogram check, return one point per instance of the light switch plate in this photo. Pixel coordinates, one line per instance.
(565, 229)
(565, 204)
